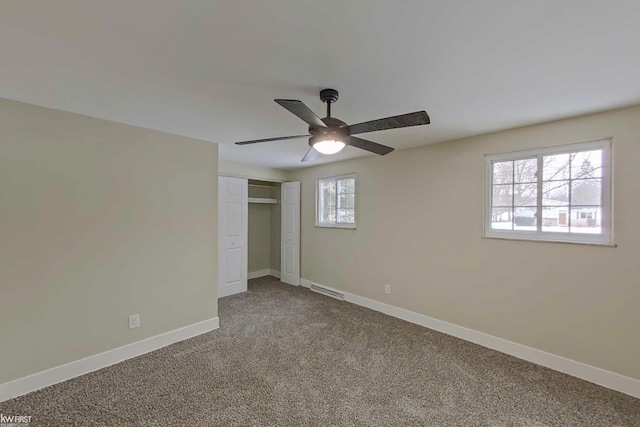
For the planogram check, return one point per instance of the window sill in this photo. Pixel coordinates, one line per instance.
(520, 239)
(339, 226)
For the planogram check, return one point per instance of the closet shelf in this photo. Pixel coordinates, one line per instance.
(261, 186)
(262, 200)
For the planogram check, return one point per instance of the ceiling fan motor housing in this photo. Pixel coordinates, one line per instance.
(336, 130)
(328, 95)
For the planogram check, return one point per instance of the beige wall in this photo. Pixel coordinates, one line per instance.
(243, 170)
(420, 222)
(98, 221)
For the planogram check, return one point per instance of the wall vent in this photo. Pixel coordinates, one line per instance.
(328, 292)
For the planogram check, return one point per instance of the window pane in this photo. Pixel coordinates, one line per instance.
(346, 201)
(346, 216)
(351, 185)
(351, 216)
(321, 201)
(586, 164)
(502, 195)
(586, 192)
(501, 219)
(342, 186)
(327, 201)
(525, 170)
(555, 219)
(525, 218)
(555, 167)
(525, 194)
(351, 201)
(502, 172)
(342, 200)
(586, 220)
(555, 193)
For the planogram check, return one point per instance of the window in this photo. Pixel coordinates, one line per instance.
(335, 201)
(555, 194)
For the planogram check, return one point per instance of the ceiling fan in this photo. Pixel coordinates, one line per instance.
(330, 135)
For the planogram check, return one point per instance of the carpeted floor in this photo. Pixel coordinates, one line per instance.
(285, 356)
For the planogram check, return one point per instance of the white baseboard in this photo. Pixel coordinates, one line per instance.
(259, 273)
(74, 369)
(306, 283)
(262, 273)
(612, 380)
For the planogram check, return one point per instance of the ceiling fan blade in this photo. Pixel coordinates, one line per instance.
(299, 109)
(374, 147)
(279, 138)
(311, 155)
(401, 121)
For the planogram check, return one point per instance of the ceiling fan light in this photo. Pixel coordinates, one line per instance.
(328, 146)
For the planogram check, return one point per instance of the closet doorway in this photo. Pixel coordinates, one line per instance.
(258, 232)
(264, 229)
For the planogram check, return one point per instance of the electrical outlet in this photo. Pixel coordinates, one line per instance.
(134, 321)
(387, 289)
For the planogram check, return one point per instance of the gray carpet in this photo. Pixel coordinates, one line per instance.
(285, 356)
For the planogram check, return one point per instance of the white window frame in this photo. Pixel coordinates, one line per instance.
(347, 225)
(605, 238)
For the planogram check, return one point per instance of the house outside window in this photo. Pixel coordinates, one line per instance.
(558, 193)
(335, 201)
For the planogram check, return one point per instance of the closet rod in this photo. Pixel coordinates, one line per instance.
(262, 185)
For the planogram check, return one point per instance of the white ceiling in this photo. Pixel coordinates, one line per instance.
(211, 69)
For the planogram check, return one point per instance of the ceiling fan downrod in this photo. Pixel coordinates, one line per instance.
(329, 96)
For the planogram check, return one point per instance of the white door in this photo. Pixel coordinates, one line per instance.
(232, 235)
(290, 247)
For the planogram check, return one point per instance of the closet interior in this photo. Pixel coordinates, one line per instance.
(264, 229)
